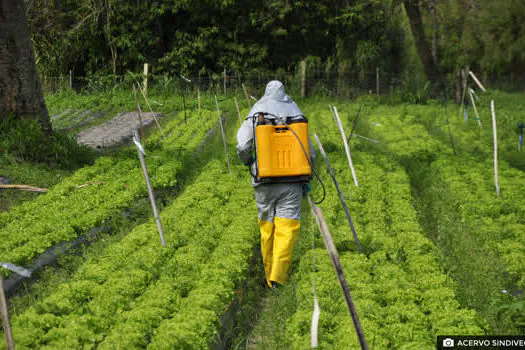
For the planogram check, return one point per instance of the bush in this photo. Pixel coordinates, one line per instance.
(25, 140)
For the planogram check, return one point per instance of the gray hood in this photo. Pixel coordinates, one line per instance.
(275, 101)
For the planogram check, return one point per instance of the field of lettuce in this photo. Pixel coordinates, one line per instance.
(443, 254)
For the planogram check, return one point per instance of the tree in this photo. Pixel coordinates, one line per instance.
(412, 8)
(20, 91)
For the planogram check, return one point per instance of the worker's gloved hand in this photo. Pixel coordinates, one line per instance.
(306, 188)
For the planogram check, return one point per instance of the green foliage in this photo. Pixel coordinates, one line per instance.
(111, 185)
(136, 290)
(402, 295)
(25, 140)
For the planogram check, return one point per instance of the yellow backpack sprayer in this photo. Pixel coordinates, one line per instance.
(281, 148)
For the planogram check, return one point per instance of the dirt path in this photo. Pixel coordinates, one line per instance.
(116, 130)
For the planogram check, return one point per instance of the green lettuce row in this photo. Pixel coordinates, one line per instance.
(480, 233)
(406, 299)
(124, 282)
(402, 296)
(497, 223)
(195, 319)
(67, 211)
(197, 322)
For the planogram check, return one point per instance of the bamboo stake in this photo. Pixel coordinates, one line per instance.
(474, 94)
(347, 148)
(354, 124)
(477, 81)
(334, 256)
(496, 181)
(474, 106)
(366, 138)
(5, 317)
(151, 195)
(23, 188)
(199, 101)
(151, 110)
(238, 111)
(138, 111)
(184, 106)
(448, 124)
(315, 323)
(333, 114)
(377, 81)
(145, 81)
(223, 137)
(463, 94)
(340, 193)
(246, 94)
(224, 82)
(303, 78)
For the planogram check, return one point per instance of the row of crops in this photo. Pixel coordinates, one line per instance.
(402, 287)
(402, 295)
(96, 193)
(439, 246)
(135, 293)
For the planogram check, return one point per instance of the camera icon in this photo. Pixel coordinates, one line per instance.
(448, 343)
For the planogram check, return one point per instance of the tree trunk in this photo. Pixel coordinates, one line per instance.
(423, 48)
(20, 90)
(434, 32)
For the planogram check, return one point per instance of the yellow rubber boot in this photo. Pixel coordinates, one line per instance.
(285, 234)
(267, 240)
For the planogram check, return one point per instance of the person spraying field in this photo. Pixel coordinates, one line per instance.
(273, 141)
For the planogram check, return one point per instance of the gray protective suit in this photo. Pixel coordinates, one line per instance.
(278, 205)
(282, 200)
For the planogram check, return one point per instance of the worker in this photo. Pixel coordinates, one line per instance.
(278, 204)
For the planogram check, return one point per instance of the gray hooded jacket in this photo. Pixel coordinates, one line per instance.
(275, 101)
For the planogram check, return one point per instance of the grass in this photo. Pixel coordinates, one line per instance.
(40, 175)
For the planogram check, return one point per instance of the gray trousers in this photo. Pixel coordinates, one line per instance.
(278, 200)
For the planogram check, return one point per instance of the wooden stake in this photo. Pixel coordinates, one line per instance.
(151, 110)
(199, 100)
(5, 317)
(477, 81)
(224, 82)
(464, 90)
(70, 79)
(333, 114)
(303, 78)
(315, 323)
(340, 193)
(145, 82)
(496, 181)
(474, 106)
(223, 137)
(151, 195)
(23, 188)
(142, 136)
(347, 148)
(334, 256)
(246, 94)
(377, 81)
(238, 112)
